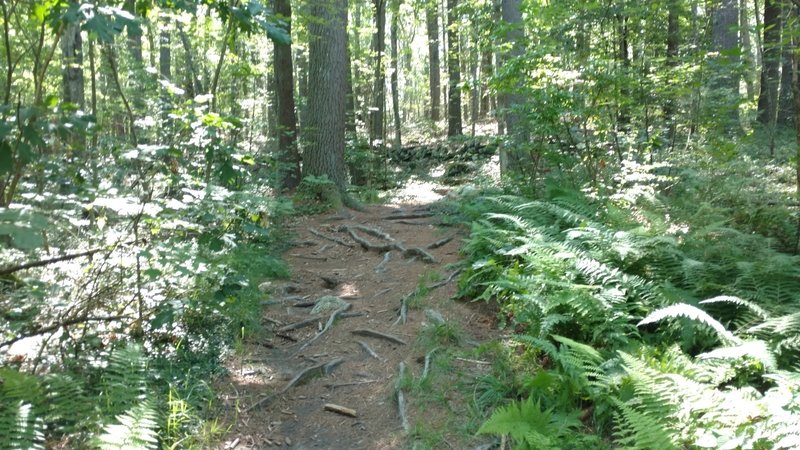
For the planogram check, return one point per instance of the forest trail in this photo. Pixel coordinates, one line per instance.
(285, 384)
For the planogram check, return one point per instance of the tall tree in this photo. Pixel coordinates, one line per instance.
(394, 76)
(510, 101)
(454, 127)
(725, 41)
(673, 42)
(327, 78)
(72, 71)
(771, 67)
(284, 90)
(434, 76)
(379, 90)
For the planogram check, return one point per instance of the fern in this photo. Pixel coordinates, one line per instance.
(530, 426)
(136, 429)
(692, 313)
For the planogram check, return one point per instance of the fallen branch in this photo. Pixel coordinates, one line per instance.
(379, 335)
(441, 242)
(302, 377)
(44, 262)
(343, 410)
(369, 350)
(401, 400)
(330, 238)
(62, 324)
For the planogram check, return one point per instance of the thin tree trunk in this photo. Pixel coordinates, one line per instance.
(747, 51)
(454, 127)
(379, 89)
(486, 74)
(72, 63)
(394, 77)
(434, 76)
(510, 160)
(284, 92)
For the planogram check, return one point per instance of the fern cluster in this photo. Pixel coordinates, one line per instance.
(655, 337)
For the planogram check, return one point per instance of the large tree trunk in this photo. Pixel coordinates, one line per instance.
(379, 90)
(72, 72)
(327, 78)
(432, 21)
(486, 74)
(454, 127)
(394, 77)
(770, 70)
(749, 65)
(284, 90)
(510, 160)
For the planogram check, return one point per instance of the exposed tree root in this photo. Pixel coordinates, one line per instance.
(382, 266)
(324, 330)
(413, 215)
(391, 244)
(302, 377)
(441, 242)
(379, 335)
(428, 358)
(401, 400)
(369, 350)
(330, 238)
(297, 325)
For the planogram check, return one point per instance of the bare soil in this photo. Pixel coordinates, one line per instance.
(272, 400)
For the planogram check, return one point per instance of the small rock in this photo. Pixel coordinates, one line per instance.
(288, 441)
(328, 303)
(435, 317)
(265, 286)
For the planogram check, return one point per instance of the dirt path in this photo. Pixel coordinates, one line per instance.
(281, 383)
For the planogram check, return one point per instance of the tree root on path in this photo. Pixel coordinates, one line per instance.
(379, 335)
(440, 242)
(417, 215)
(402, 314)
(370, 351)
(298, 325)
(401, 400)
(392, 244)
(302, 377)
(380, 268)
(330, 238)
(328, 325)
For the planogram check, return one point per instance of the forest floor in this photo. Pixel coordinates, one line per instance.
(287, 384)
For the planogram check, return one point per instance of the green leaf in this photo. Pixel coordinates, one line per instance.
(24, 238)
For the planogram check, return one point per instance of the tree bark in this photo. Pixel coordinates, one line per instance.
(486, 74)
(435, 83)
(397, 143)
(324, 152)
(72, 63)
(510, 161)
(454, 127)
(165, 51)
(379, 90)
(673, 43)
(771, 67)
(725, 41)
(289, 158)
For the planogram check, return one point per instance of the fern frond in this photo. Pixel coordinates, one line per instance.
(757, 310)
(136, 429)
(693, 313)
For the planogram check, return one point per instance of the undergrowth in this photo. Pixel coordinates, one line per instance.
(655, 312)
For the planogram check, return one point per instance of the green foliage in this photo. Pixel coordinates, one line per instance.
(317, 194)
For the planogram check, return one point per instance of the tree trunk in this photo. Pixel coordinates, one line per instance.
(376, 133)
(747, 55)
(284, 92)
(725, 41)
(510, 160)
(72, 72)
(165, 52)
(673, 43)
(486, 74)
(432, 21)
(394, 77)
(327, 78)
(134, 35)
(770, 70)
(454, 127)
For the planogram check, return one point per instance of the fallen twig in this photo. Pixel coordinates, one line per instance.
(350, 383)
(369, 350)
(343, 410)
(314, 258)
(378, 334)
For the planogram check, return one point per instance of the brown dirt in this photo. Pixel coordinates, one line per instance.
(297, 419)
